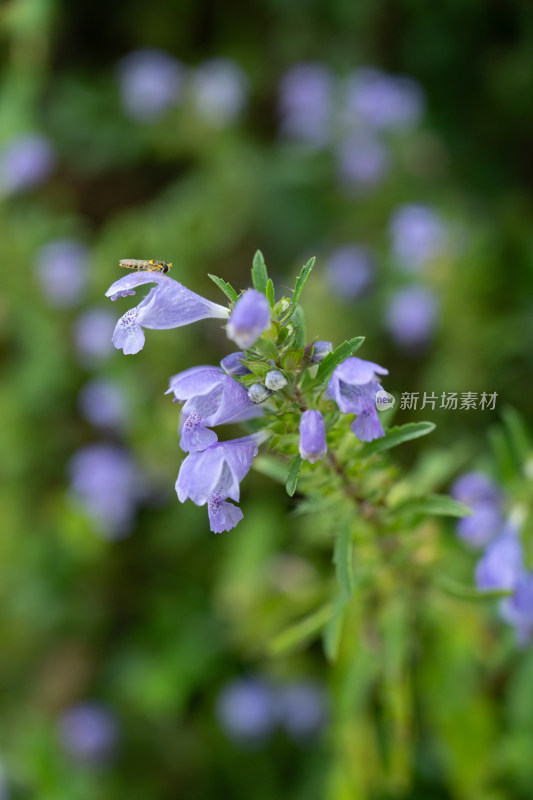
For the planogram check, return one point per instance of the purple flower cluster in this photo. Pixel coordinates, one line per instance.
(25, 162)
(501, 567)
(249, 710)
(353, 386)
(89, 733)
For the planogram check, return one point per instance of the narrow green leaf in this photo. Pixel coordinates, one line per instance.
(293, 475)
(225, 287)
(396, 436)
(332, 633)
(439, 504)
(301, 281)
(271, 467)
(518, 434)
(304, 630)
(342, 558)
(466, 592)
(270, 293)
(298, 322)
(332, 360)
(259, 273)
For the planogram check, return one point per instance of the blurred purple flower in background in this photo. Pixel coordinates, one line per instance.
(62, 270)
(501, 564)
(381, 101)
(349, 272)
(246, 710)
(103, 403)
(89, 733)
(363, 162)
(485, 498)
(93, 331)
(150, 82)
(25, 162)
(418, 235)
(301, 709)
(306, 104)
(108, 485)
(517, 610)
(219, 90)
(411, 316)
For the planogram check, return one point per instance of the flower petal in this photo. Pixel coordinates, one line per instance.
(128, 335)
(223, 516)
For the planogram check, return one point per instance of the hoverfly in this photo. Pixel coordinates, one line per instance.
(148, 266)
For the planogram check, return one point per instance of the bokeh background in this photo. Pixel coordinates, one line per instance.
(392, 141)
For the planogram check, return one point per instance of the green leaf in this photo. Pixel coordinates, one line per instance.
(340, 354)
(332, 634)
(396, 436)
(271, 467)
(439, 504)
(301, 281)
(291, 361)
(342, 558)
(259, 273)
(304, 630)
(466, 592)
(518, 434)
(270, 293)
(298, 322)
(293, 475)
(225, 287)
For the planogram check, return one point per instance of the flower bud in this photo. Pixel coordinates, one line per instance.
(258, 393)
(232, 364)
(320, 351)
(249, 318)
(312, 436)
(275, 380)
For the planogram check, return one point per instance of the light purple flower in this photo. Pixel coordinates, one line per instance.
(312, 445)
(103, 403)
(150, 82)
(411, 316)
(502, 564)
(219, 90)
(25, 162)
(89, 732)
(363, 162)
(93, 331)
(367, 425)
(485, 498)
(108, 486)
(381, 101)
(211, 398)
(306, 104)
(246, 710)
(349, 272)
(167, 305)
(62, 270)
(232, 364)
(249, 318)
(213, 475)
(476, 487)
(418, 235)
(353, 386)
(517, 609)
(301, 709)
(320, 351)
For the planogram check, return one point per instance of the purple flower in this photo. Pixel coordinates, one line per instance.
(517, 609)
(305, 102)
(214, 475)
(484, 497)
(411, 316)
(25, 162)
(353, 386)
(103, 403)
(150, 81)
(89, 732)
(301, 709)
(232, 364)
(249, 318)
(363, 162)
(211, 398)
(62, 269)
(381, 101)
(418, 235)
(167, 305)
(312, 444)
(320, 351)
(246, 710)
(501, 565)
(108, 486)
(219, 89)
(349, 272)
(93, 331)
